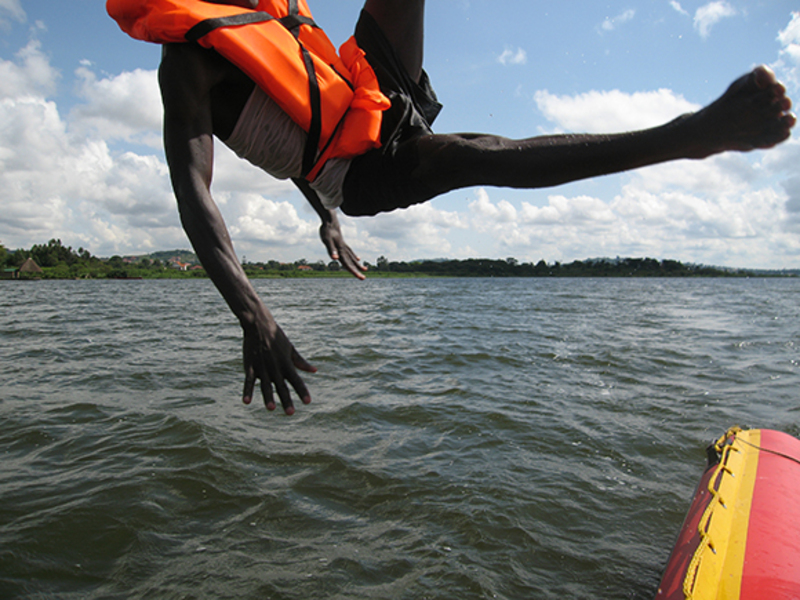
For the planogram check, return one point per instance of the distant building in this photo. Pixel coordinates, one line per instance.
(177, 264)
(29, 267)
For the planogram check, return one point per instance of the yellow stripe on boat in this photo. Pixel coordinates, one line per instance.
(715, 572)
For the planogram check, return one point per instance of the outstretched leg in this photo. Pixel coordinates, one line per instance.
(402, 22)
(752, 114)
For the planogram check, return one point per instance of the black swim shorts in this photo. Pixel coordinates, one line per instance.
(379, 180)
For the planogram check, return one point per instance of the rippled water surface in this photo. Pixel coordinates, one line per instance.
(468, 438)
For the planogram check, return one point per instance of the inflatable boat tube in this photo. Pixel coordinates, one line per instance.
(741, 536)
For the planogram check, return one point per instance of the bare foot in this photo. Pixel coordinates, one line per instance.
(752, 114)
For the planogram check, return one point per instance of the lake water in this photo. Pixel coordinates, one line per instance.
(468, 438)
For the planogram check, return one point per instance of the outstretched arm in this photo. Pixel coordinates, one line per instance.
(186, 81)
(331, 233)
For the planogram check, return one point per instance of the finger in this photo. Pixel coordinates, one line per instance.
(355, 270)
(285, 397)
(331, 248)
(249, 384)
(266, 393)
(357, 262)
(328, 242)
(299, 387)
(260, 372)
(276, 377)
(350, 255)
(353, 265)
(301, 363)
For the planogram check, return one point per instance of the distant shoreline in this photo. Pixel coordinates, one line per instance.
(195, 275)
(55, 261)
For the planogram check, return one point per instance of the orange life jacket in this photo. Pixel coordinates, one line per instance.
(334, 97)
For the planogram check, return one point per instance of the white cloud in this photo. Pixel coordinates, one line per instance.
(678, 8)
(234, 175)
(695, 211)
(415, 232)
(792, 189)
(60, 178)
(737, 222)
(121, 107)
(612, 111)
(710, 14)
(511, 57)
(612, 23)
(532, 231)
(263, 223)
(784, 159)
(12, 9)
(57, 185)
(788, 65)
(30, 75)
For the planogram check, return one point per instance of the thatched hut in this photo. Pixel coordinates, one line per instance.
(29, 267)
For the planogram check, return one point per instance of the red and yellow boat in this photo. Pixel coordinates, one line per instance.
(741, 536)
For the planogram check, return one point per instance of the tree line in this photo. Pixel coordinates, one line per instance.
(510, 267)
(63, 262)
(58, 261)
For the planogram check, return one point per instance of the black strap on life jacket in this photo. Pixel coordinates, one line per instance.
(291, 22)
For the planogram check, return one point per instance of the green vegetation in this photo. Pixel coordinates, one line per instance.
(62, 262)
(619, 267)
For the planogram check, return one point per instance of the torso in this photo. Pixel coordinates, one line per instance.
(208, 94)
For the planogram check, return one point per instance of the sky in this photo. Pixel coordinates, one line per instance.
(81, 158)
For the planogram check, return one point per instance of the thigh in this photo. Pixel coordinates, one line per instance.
(402, 22)
(381, 181)
(191, 75)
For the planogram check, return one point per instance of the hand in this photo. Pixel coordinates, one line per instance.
(331, 235)
(330, 232)
(752, 114)
(271, 357)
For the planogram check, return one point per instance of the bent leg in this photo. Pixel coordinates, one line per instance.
(402, 22)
